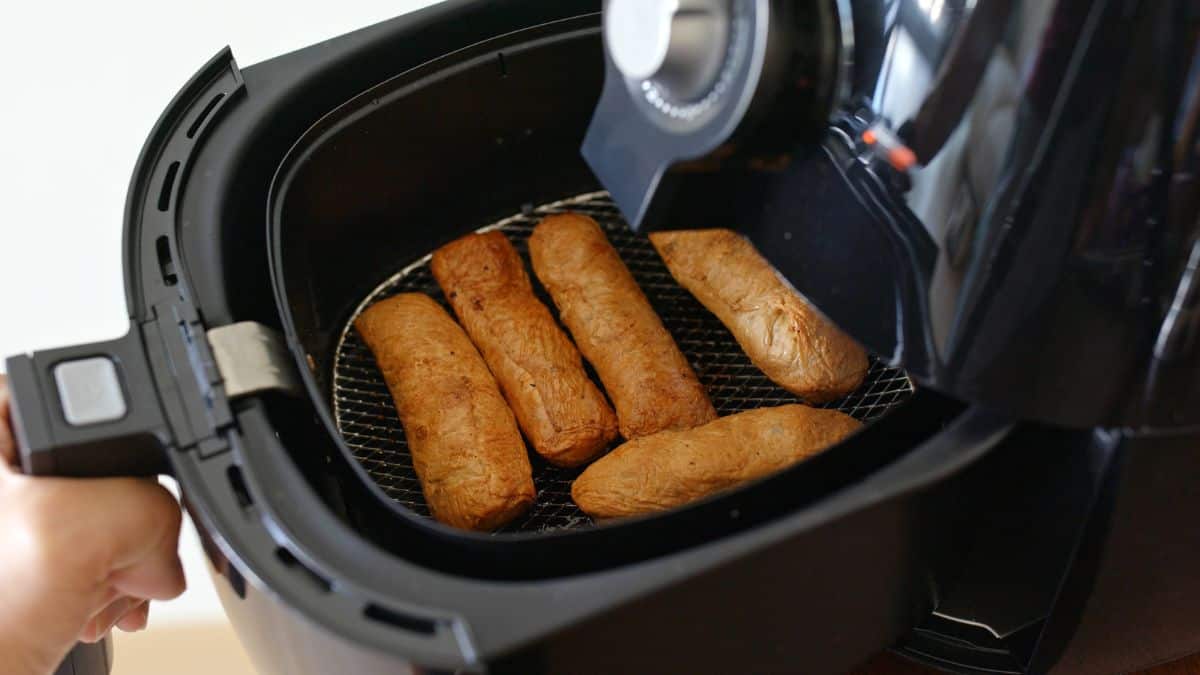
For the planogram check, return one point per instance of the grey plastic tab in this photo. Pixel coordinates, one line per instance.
(90, 391)
(253, 358)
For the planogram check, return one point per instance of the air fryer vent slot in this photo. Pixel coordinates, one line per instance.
(199, 121)
(168, 184)
(238, 483)
(369, 424)
(166, 264)
(408, 622)
(288, 558)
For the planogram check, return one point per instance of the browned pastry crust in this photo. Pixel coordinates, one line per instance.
(464, 441)
(672, 468)
(560, 409)
(782, 334)
(648, 379)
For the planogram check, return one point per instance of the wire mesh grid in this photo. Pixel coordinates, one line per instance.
(369, 424)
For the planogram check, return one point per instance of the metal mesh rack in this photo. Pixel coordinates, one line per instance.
(370, 426)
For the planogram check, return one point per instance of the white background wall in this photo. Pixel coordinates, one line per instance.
(81, 84)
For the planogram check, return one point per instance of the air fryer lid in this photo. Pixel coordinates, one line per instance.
(1035, 258)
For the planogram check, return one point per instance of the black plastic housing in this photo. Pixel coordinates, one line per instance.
(290, 514)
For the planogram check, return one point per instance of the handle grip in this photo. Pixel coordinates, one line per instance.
(88, 411)
(88, 659)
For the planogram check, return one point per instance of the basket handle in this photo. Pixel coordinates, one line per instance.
(88, 411)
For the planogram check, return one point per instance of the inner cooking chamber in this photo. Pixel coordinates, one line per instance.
(370, 426)
(484, 135)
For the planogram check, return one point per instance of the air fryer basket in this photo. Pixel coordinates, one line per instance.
(489, 136)
(369, 424)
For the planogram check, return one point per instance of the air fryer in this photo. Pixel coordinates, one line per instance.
(271, 204)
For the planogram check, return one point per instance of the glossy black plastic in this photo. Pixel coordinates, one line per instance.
(1037, 259)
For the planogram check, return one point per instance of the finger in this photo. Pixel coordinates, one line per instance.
(101, 533)
(136, 618)
(8, 449)
(111, 598)
(68, 543)
(98, 626)
(151, 568)
(105, 600)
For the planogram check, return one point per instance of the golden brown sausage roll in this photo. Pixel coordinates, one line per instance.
(672, 468)
(648, 379)
(562, 412)
(464, 441)
(783, 335)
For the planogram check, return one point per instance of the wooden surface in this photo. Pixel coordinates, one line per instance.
(887, 664)
(208, 649)
(192, 649)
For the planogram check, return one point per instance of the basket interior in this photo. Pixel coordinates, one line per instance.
(371, 428)
(489, 136)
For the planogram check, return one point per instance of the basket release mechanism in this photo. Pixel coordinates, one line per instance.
(253, 359)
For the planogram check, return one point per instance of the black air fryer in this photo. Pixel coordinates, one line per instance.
(997, 198)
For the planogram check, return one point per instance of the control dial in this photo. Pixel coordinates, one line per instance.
(679, 45)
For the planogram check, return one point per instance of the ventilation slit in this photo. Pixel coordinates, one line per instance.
(166, 265)
(164, 195)
(238, 483)
(199, 121)
(407, 622)
(288, 558)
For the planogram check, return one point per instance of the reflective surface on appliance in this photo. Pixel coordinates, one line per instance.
(1019, 177)
(1058, 200)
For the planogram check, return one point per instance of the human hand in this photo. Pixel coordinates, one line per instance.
(79, 556)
